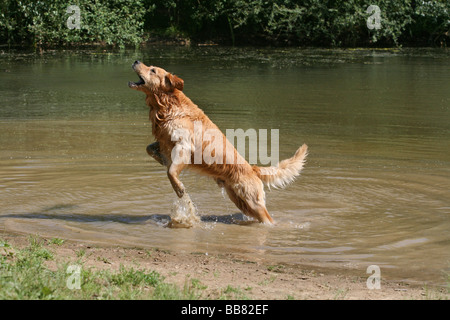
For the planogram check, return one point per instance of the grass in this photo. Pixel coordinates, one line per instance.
(57, 241)
(233, 293)
(35, 271)
(276, 268)
(24, 275)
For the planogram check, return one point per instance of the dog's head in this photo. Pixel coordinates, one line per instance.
(155, 80)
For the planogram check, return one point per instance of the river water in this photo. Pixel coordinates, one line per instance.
(375, 189)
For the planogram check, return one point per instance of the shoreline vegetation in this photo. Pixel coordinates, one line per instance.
(34, 267)
(38, 268)
(313, 23)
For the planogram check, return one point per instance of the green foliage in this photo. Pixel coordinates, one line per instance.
(135, 277)
(285, 22)
(305, 22)
(118, 22)
(431, 22)
(25, 275)
(19, 280)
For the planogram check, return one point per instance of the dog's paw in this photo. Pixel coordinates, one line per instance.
(179, 192)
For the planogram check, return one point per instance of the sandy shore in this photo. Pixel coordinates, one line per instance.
(248, 279)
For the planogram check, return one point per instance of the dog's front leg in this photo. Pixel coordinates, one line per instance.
(154, 152)
(172, 173)
(173, 170)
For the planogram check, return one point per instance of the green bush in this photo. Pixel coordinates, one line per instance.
(306, 22)
(40, 23)
(431, 23)
(331, 23)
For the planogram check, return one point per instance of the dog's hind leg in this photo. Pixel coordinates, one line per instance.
(259, 210)
(254, 208)
(154, 152)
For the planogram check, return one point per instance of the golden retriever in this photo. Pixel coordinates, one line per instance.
(175, 120)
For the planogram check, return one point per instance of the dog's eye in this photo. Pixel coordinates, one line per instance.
(153, 71)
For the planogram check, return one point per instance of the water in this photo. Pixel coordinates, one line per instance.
(375, 188)
(184, 214)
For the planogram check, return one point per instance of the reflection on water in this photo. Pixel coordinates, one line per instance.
(375, 189)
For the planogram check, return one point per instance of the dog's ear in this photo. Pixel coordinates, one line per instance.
(174, 82)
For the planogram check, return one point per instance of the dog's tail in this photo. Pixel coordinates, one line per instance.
(285, 172)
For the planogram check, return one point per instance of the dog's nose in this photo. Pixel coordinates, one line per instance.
(137, 62)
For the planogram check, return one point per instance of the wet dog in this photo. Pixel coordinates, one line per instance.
(179, 125)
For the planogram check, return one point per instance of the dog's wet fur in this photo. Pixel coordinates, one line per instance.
(170, 110)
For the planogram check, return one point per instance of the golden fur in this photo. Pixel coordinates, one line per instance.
(171, 111)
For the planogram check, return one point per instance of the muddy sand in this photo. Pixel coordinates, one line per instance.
(253, 280)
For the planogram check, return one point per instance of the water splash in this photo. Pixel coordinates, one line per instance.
(224, 192)
(184, 214)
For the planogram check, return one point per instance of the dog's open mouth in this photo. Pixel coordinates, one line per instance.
(132, 84)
